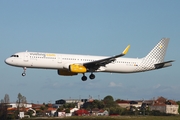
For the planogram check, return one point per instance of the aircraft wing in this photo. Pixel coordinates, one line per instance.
(94, 65)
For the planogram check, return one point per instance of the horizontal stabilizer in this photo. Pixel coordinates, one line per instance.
(163, 64)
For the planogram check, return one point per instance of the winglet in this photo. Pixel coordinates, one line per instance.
(126, 50)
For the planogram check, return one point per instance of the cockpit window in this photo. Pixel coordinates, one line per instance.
(14, 55)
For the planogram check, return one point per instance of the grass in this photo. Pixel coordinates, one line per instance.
(110, 118)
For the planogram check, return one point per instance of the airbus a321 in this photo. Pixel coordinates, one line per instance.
(71, 64)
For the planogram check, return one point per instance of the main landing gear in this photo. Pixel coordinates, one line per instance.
(91, 76)
(24, 72)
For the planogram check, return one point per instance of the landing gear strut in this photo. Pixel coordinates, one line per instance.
(24, 72)
(91, 76)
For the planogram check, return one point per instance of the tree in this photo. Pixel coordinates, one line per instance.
(69, 105)
(60, 109)
(118, 100)
(3, 107)
(21, 101)
(43, 109)
(108, 98)
(178, 102)
(67, 110)
(6, 98)
(109, 102)
(101, 105)
(3, 111)
(94, 104)
(98, 104)
(2, 100)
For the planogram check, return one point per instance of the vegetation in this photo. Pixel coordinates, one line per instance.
(69, 105)
(112, 107)
(113, 118)
(108, 103)
(21, 100)
(3, 111)
(178, 102)
(3, 107)
(94, 104)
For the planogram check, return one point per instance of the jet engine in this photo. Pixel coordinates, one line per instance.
(66, 73)
(76, 68)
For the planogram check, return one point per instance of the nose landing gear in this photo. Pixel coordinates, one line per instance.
(24, 72)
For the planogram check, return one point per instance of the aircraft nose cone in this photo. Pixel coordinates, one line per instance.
(7, 61)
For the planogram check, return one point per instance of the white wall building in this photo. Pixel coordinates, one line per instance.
(165, 106)
(15, 105)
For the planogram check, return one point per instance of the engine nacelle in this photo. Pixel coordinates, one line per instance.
(76, 68)
(65, 73)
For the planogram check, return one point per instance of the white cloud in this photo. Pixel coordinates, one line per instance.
(156, 86)
(113, 84)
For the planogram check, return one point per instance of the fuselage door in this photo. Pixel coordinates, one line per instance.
(59, 59)
(26, 57)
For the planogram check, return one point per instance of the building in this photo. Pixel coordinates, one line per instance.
(79, 102)
(165, 106)
(124, 103)
(82, 112)
(15, 105)
(129, 104)
(137, 104)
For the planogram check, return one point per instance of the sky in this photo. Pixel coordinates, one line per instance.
(89, 27)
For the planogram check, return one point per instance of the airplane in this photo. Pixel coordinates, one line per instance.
(71, 64)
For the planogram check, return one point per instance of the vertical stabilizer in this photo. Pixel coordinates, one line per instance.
(157, 54)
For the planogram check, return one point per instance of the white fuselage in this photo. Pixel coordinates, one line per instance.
(60, 61)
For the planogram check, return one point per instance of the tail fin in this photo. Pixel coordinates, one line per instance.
(157, 54)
